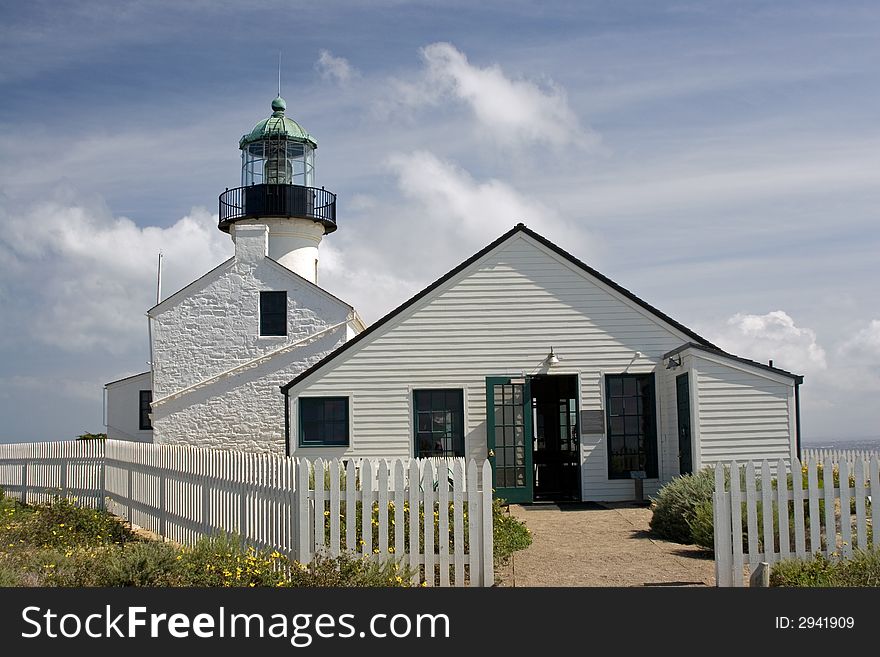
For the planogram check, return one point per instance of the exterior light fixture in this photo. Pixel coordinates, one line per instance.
(672, 363)
(552, 359)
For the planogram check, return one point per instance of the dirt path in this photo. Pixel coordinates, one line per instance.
(601, 545)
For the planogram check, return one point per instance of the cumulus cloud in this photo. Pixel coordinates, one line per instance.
(85, 278)
(512, 111)
(441, 215)
(865, 343)
(334, 68)
(773, 336)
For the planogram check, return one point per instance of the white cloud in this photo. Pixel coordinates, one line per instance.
(441, 217)
(512, 111)
(865, 344)
(85, 278)
(773, 336)
(334, 68)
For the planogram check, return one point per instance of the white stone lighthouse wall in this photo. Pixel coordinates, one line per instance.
(244, 411)
(211, 328)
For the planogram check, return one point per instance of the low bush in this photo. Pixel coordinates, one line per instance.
(223, 561)
(861, 570)
(9, 574)
(509, 534)
(62, 525)
(676, 504)
(350, 570)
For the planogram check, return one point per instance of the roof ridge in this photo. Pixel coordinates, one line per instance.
(519, 227)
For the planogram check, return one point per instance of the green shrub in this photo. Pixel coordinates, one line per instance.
(223, 561)
(676, 503)
(702, 525)
(350, 570)
(9, 574)
(63, 525)
(861, 570)
(509, 534)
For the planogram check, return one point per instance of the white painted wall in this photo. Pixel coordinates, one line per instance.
(123, 408)
(744, 413)
(216, 380)
(292, 242)
(498, 317)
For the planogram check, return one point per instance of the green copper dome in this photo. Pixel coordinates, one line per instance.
(278, 126)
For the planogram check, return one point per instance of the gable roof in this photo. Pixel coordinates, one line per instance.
(125, 378)
(177, 296)
(747, 361)
(519, 228)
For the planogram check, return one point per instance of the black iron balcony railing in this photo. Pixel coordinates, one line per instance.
(297, 201)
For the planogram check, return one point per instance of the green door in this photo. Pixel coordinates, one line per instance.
(683, 406)
(509, 432)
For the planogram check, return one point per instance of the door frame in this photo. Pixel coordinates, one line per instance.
(516, 494)
(578, 492)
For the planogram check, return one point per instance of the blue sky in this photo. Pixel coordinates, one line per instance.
(719, 159)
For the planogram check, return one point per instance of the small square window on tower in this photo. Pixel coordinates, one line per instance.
(273, 313)
(144, 422)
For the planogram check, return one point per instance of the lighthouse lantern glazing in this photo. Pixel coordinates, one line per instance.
(278, 190)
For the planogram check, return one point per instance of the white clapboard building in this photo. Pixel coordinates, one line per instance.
(572, 386)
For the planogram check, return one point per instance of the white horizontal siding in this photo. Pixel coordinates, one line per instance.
(124, 408)
(498, 317)
(743, 415)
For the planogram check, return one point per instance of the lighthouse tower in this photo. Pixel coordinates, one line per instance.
(278, 190)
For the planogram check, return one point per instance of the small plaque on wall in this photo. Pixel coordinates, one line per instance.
(592, 422)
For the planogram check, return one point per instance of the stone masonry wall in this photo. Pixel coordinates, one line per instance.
(215, 327)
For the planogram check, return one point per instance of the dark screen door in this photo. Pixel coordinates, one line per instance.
(683, 404)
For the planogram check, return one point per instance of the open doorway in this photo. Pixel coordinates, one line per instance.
(556, 456)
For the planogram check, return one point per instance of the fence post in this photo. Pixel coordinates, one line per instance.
(303, 553)
(723, 556)
(486, 516)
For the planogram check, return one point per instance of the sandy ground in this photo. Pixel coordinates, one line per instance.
(601, 545)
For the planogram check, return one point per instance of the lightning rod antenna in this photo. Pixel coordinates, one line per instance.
(159, 280)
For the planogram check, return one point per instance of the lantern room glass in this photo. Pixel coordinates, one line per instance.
(277, 162)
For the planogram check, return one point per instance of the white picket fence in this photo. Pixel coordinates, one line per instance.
(760, 516)
(34, 473)
(296, 506)
(838, 455)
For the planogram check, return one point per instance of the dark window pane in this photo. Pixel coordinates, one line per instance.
(323, 421)
(144, 423)
(615, 386)
(632, 433)
(440, 412)
(273, 313)
(424, 421)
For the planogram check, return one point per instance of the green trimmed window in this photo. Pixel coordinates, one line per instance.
(631, 424)
(439, 422)
(323, 421)
(273, 313)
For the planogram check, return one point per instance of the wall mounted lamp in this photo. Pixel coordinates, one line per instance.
(672, 363)
(552, 359)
